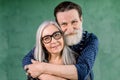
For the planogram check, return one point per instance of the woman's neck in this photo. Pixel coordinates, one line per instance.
(56, 59)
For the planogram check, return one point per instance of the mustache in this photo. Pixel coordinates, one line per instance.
(72, 33)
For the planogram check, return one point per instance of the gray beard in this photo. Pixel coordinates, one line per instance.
(74, 39)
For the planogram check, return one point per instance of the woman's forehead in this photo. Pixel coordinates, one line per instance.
(50, 29)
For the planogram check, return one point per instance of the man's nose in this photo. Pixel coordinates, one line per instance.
(70, 29)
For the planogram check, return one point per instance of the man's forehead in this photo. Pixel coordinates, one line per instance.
(69, 20)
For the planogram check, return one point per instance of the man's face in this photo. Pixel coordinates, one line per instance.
(71, 25)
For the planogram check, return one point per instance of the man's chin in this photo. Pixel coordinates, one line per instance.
(72, 43)
(72, 40)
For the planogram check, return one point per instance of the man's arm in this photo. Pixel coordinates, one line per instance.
(88, 55)
(27, 59)
(65, 71)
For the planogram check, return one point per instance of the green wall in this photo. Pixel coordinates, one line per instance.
(19, 20)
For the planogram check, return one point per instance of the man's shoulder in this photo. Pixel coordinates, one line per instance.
(87, 39)
(88, 36)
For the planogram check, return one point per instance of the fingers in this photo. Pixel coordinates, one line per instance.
(33, 61)
(29, 72)
(26, 67)
(32, 69)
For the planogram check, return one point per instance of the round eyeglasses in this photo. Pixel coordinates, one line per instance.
(48, 38)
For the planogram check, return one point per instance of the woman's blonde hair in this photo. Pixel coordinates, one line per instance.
(40, 52)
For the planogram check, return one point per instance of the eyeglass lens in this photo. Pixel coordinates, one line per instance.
(56, 35)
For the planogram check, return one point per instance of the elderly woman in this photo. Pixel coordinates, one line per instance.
(51, 47)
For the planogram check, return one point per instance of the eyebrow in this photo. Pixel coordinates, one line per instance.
(51, 34)
(63, 23)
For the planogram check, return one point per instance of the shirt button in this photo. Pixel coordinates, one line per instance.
(81, 48)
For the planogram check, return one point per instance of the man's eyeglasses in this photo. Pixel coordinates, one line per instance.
(48, 38)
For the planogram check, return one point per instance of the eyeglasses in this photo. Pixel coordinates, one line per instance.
(48, 38)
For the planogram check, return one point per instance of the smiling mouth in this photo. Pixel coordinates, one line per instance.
(71, 34)
(55, 46)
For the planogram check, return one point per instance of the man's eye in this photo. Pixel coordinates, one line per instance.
(74, 22)
(64, 24)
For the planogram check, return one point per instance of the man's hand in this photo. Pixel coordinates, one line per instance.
(35, 69)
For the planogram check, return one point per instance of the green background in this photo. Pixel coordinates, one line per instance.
(19, 20)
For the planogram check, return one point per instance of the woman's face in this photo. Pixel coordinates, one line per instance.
(52, 39)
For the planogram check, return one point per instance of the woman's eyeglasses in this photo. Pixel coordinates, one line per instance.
(48, 38)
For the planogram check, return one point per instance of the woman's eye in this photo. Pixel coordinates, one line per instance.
(46, 38)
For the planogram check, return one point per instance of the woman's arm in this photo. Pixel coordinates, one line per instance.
(50, 77)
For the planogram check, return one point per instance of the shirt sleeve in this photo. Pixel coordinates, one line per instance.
(86, 60)
(27, 59)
